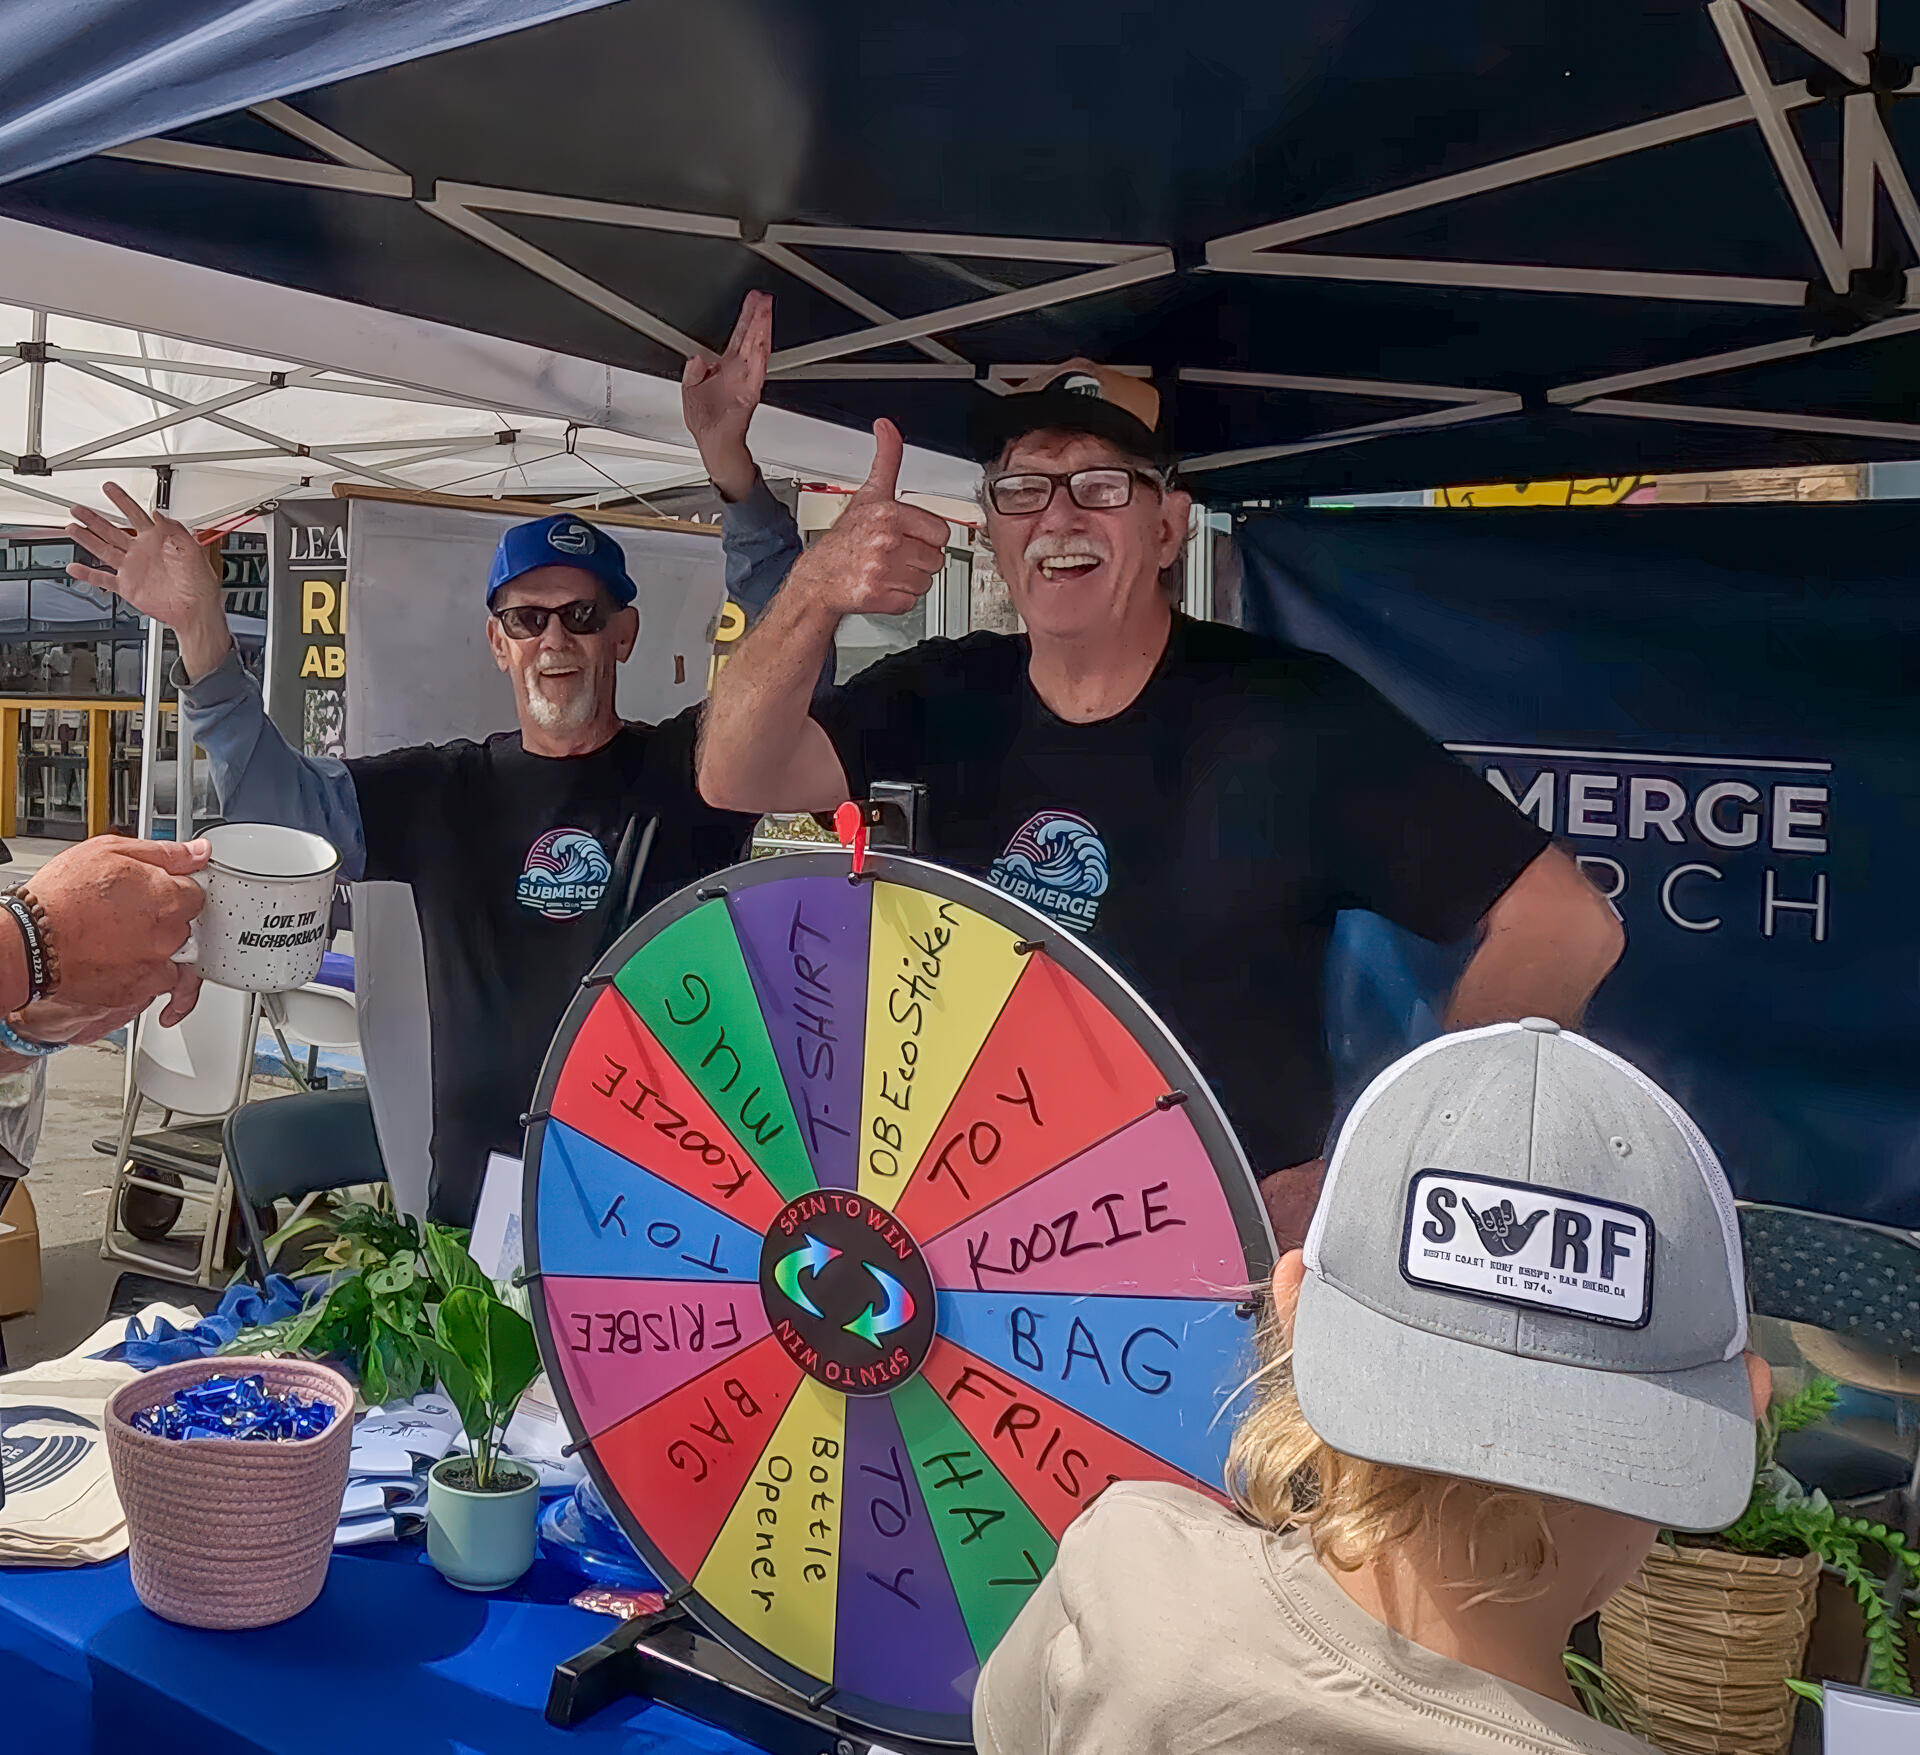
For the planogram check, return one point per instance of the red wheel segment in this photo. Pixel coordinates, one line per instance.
(684, 1459)
(621, 1088)
(1057, 1072)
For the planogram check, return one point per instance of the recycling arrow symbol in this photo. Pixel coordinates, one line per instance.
(787, 1270)
(896, 1310)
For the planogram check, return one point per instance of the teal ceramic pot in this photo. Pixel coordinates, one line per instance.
(481, 1541)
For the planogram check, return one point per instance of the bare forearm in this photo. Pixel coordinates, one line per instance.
(15, 987)
(758, 733)
(204, 642)
(1546, 946)
(731, 468)
(1508, 980)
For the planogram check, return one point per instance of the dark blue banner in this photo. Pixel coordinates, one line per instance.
(1715, 710)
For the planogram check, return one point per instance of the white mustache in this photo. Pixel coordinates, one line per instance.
(1053, 547)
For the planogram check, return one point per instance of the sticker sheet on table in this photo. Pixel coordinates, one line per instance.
(871, 1084)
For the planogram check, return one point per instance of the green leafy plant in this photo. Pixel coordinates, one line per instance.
(389, 1273)
(1601, 1697)
(1782, 1518)
(487, 1358)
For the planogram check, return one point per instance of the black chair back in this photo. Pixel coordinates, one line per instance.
(285, 1148)
(1857, 1280)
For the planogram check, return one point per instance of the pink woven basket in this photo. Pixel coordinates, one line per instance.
(227, 1532)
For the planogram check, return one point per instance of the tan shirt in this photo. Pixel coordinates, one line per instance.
(1170, 1626)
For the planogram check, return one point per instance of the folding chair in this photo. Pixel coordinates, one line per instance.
(1858, 1285)
(196, 1072)
(288, 1148)
(1861, 1283)
(320, 1016)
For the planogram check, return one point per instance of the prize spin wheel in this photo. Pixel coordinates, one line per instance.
(877, 1226)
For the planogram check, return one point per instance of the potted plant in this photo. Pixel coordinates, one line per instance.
(481, 1506)
(407, 1303)
(1707, 1640)
(386, 1272)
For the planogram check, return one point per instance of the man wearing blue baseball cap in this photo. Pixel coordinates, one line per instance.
(526, 852)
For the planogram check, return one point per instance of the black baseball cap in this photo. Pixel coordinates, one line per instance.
(1075, 397)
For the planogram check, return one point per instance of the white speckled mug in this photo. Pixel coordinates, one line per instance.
(269, 895)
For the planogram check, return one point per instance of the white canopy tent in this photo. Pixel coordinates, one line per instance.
(226, 431)
(114, 362)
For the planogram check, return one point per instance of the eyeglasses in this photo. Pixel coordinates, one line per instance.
(1106, 489)
(528, 621)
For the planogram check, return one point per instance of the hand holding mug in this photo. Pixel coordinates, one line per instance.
(117, 910)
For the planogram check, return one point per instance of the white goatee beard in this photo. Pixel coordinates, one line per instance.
(572, 712)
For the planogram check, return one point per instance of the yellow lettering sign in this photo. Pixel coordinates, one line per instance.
(310, 663)
(336, 661)
(318, 602)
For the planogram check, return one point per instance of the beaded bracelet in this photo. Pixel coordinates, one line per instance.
(15, 1043)
(43, 961)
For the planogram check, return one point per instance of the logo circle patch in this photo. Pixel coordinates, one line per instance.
(847, 1292)
(565, 875)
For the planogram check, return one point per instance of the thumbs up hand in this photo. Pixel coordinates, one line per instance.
(881, 555)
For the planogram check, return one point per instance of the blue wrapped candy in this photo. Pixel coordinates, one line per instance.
(234, 1407)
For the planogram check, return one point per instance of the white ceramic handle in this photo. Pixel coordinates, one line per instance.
(190, 951)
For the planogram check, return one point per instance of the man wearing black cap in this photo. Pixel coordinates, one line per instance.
(1198, 801)
(527, 853)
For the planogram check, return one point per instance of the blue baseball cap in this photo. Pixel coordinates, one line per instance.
(561, 541)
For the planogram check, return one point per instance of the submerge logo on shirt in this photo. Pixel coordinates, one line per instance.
(565, 876)
(1058, 863)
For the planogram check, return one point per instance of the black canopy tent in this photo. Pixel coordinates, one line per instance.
(1361, 244)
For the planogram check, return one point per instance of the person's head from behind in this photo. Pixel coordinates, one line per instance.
(560, 619)
(1081, 513)
(1514, 1347)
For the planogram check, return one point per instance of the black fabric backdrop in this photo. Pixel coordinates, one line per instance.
(1714, 709)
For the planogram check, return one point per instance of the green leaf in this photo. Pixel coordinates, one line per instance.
(495, 1349)
(375, 1379)
(452, 1266)
(396, 1276)
(1808, 1690)
(296, 1228)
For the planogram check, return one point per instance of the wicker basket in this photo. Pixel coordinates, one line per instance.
(1702, 1641)
(227, 1532)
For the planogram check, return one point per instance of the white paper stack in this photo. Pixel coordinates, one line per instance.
(393, 1447)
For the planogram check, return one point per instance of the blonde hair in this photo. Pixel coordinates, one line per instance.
(1283, 1475)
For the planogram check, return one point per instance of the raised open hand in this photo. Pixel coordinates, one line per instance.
(159, 567)
(718, 394)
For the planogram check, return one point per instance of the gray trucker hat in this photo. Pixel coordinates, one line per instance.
(1525, 1269)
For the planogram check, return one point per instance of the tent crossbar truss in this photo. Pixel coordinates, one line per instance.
(1842, 254)
(369, 459)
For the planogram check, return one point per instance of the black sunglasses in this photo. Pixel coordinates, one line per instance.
(528, 621)
(1105, 489)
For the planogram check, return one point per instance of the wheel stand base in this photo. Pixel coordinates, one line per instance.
(665, 1658)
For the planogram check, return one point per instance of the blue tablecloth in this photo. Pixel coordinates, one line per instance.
(390, 1658)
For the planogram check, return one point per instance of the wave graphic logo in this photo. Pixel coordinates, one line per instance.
(1058, 863)
(565, 875)
(39, 1445)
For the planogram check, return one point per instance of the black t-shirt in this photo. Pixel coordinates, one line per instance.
(520, 882)
(1203, 839)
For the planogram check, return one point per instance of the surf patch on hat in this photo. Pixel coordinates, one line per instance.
(1525, 1270)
